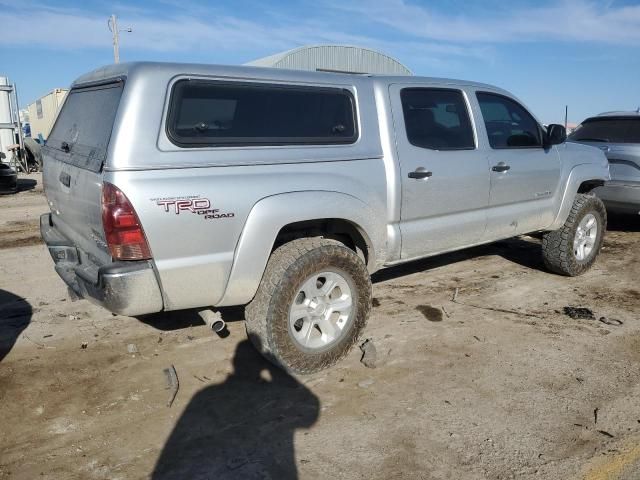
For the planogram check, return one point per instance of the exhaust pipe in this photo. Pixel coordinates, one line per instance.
(214, 321)
(218, 326)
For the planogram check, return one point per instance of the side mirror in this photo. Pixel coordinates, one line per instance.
(556, 134)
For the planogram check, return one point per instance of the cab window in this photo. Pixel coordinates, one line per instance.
(508, 124)
(437, 119)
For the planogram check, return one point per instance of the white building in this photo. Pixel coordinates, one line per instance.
(44, 111)
(334, 58)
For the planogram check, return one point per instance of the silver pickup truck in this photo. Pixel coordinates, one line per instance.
(175, 186)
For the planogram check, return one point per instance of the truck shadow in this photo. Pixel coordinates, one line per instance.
(168, 321)
(623, 223)
(524, 251)
(241, 428)
(179, 319)
(15, 316)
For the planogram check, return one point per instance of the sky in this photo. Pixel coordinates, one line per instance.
(580, 53)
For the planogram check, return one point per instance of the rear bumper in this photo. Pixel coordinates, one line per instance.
(126, 288)
(620, 197)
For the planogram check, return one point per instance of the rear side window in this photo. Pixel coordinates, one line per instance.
(208, 113)
(608, 129)
(83, 127)
(507, 122)
(437, 119)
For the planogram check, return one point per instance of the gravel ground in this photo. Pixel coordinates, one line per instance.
(498, 384)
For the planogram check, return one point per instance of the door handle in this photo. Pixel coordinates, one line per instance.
(501, 167)
(65, 179)
(419, 174)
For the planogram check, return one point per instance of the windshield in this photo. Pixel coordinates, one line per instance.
(608, 130)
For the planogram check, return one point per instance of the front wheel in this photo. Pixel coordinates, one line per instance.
(311, 306)
(573, 249)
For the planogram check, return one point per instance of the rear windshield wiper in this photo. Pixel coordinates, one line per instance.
(591, 139)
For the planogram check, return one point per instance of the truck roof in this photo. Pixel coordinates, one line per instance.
(620, 113)
(258, 73)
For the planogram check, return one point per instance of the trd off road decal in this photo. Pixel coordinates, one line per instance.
(191, 204)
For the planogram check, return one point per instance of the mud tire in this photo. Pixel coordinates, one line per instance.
(557, 246)
(267, 316)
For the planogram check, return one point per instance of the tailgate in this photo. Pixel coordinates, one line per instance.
(73, 159)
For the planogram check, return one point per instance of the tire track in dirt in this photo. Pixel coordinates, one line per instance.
(19, 234)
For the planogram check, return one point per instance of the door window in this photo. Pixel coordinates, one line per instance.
(508, 124)
(437, 119)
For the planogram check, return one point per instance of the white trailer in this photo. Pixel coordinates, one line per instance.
(44, 111)
(7, 126)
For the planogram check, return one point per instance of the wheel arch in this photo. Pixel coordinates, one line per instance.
(588, 185)
(346, 231)
(280, 218)
(582, 179)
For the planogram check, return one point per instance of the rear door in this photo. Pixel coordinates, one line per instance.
(444, 178)
(73, 156)
(524, 175)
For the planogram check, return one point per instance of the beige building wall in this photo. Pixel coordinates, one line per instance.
(43, 112)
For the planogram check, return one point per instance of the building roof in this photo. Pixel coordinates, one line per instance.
(634, 113)
(335, 58)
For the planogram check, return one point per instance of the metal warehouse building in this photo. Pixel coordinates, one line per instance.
(334, 58)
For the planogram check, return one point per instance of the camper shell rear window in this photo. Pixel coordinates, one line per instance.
(204, 113)
(83, 128)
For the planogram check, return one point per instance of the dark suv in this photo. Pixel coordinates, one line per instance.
(617, 134)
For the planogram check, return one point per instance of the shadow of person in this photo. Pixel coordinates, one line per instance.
(242, 428)
(15, 315)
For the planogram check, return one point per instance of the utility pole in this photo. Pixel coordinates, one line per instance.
(566, 115)
(112, 23)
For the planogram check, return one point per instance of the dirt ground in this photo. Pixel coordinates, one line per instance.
(498, 384)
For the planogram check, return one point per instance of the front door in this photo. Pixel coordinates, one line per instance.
(524, 174)
(444, 177)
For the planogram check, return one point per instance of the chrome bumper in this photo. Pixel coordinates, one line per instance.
(126, 288)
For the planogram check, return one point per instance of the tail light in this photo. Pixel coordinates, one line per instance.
(122, 228)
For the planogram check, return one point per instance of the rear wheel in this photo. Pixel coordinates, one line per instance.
(573, 249)
(311, 306)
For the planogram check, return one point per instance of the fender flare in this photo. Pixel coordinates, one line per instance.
(579, 174)
(269, 215)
